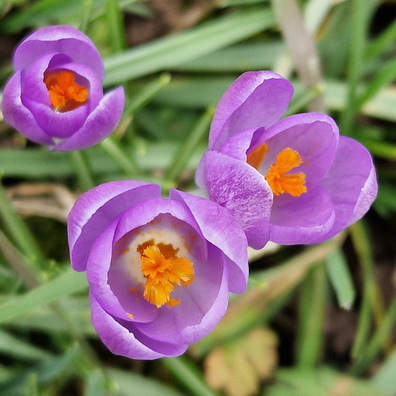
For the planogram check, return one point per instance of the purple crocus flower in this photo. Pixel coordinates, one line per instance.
(55, 97)
(159, 269)
(291, 181)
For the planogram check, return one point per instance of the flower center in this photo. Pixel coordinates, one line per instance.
(277, 175)
(163, 270)
(65, 94)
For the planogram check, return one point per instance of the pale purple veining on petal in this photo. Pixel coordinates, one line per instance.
(242, 190)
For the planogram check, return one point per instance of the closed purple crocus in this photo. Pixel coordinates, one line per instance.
(291, 180)
(159, 269)
(55, 96)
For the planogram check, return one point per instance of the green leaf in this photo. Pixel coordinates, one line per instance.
(311, 321)
(182, 47)
(340, 278)
(384, 379)
(17, 348)
(126, 382)
(44, 373)
(323, 381)
(64, 285)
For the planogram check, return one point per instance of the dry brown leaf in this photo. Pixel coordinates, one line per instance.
(237, 368)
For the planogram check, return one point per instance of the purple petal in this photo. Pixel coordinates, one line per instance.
(202, 305)
(96, 209)
(99, 124)
(305, 219)
(33, 86)
(255, 99)
(237, 146)
(56, 124)
(114, 294)
(242, 190)
(59, 39)
(122, 338)
(18, 116)
(351, 182)
(219, 228)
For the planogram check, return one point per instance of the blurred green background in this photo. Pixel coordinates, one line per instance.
(316, 320)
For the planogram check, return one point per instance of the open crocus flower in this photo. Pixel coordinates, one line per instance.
(55, 97)
(291, 181)
(159, 269)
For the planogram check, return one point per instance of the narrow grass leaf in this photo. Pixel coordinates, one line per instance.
(64, 285)
(17, 348)
(382, 42)
(384, 76)
(181, 47)
(115, 26)
(189, 376)
(20, 233)
(377, 342)
(186, 149)
(95, 384)
(311, 319)
(125, 381)
(340, 278)
(44, 372)
(384, 379)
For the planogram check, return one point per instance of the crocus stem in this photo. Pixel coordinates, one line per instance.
(188, 375)
(115, 152)
(357, 48)
(312, 312)
(82, 170)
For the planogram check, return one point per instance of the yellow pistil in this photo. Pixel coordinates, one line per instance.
(65, 94)
(163, 270)
(276, 176)
(279, 181)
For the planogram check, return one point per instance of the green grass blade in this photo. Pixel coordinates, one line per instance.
(311, 319)
(385, 75)
(115, 26)
(377, 341)
(182, 47)
(64, 285)
(127, 382)
(184, 153)
(16, 347)
(384, 379)
(188, 375)
(20, 233)
(340, 278)
(382, 42)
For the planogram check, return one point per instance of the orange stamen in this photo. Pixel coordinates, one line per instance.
(279, 181)
(163, 270)
(65, 94)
